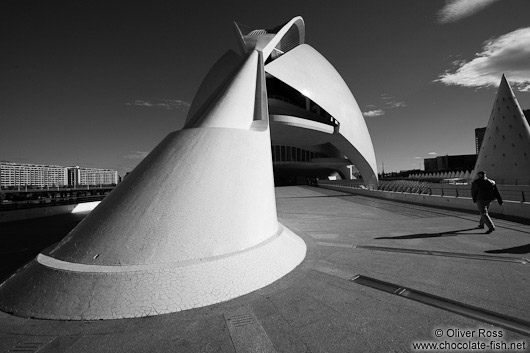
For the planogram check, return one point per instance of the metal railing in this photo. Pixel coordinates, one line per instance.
(516, 193)
(49, 203)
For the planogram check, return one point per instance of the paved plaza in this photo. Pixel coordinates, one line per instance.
(379, 276)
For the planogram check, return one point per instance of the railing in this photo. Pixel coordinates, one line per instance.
(48, 203)
(446, 178)
(508, 192)
(26, 189)
(295, 110)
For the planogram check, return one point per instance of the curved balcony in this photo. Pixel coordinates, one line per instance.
(283, 111)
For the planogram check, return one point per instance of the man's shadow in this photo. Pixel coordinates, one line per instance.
(523, 249)
(451, 233)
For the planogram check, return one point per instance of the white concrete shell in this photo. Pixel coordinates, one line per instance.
(290, 35)
(505, 150)
(194, 224)
(307, 71)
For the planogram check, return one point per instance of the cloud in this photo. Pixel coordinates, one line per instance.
(392, 105)
(169, 104)
(508, 54)
(373, 113)
(432, 153)
(389, 102)
(136, 155)
(455, 10)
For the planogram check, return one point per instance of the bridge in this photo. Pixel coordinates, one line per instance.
(30, 198)
(379, 275)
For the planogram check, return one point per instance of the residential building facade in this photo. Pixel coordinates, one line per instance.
(78, 176)
(31, 175)
(26, 175)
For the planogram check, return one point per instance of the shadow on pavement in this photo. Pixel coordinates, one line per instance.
(451, 233)
(523, 249)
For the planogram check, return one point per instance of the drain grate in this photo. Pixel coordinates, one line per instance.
(510, 323)
(246, 332)
(29, 347)
(523, 261)
(241, 320)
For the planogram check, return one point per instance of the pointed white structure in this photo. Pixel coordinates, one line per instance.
(505, 151)
(194, 224)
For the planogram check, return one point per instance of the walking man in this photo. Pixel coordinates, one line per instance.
(483, 191)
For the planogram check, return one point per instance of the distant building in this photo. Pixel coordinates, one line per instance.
(16, 175)
(91, 176)
(458, 163)
(479, 137)
(430, 164)
(33, 175)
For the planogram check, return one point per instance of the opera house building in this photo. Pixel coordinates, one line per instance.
(195, 223)
(317, 128)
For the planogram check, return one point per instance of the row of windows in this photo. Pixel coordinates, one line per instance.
(292, 154)
(41, 182)
(97, 179)
(32, 173)
(92, 177)
(26, 170)
(12, 174)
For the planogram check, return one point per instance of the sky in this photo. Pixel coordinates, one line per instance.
(101, 83)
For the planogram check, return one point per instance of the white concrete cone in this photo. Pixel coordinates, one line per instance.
(505, 150)
(194, 224)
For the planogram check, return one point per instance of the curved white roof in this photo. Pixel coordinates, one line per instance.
(307, 71)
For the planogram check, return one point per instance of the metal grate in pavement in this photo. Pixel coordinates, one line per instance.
(241, 320)
(246, 332)
(29, 347)
(508, 322)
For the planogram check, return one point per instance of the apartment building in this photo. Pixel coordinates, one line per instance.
(16, 175)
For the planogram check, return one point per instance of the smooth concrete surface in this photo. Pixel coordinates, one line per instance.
(316, 308)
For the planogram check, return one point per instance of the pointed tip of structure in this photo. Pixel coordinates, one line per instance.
(505, 85)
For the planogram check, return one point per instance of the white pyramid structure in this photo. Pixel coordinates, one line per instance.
(193, 224)
(505, 151)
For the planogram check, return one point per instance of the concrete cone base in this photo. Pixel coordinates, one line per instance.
(47, 288)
